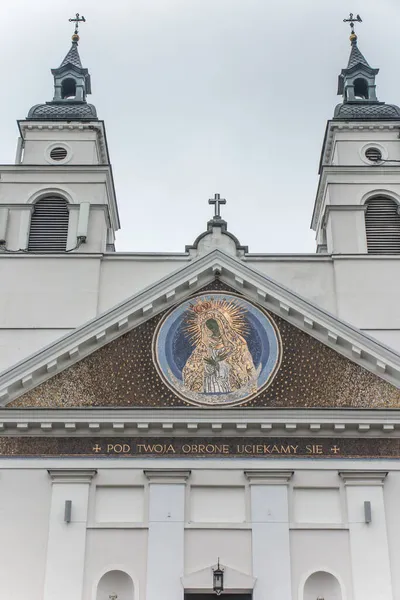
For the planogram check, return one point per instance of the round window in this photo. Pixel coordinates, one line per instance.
(373, 154)
(58, 153)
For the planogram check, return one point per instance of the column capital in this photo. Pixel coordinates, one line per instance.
(363, 477)
(268, 477)
(167, 475)
(72, 475)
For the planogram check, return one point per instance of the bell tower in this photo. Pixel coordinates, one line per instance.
(357, 204)
(59, 196)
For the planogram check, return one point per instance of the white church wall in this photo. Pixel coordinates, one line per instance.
(217, 504)
(48, 292)
(17, 344)
(311, 278)
(317, 505)
(352, 188)
(123, 275)
(83, 185)
(346, 230)
(203, 546)
(388, 337)
(391, 494)
(320, 550)
(81, 143)
(365, 292)
(24, 523)
(350, 145)
(118, 548)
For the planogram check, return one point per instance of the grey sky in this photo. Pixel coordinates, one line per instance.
(203, 96)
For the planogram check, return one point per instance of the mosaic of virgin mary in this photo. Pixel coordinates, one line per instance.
(217, 349)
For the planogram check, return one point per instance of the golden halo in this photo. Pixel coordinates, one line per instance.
(208, 308)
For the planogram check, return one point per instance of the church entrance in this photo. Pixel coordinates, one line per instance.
(213, 596)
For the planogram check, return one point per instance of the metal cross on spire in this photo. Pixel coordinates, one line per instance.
(77, 20)
(351, 20)
(217, 201)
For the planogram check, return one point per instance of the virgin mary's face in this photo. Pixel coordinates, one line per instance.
(213, 327)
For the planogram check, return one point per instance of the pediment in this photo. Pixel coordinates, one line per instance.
(234, 581)
(111, 361)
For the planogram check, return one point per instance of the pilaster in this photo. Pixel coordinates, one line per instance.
(368, 540)
(270, 533)
(67, 540)
(165, 554)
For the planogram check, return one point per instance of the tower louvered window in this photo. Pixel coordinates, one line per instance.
(49, 225)
(382, 222)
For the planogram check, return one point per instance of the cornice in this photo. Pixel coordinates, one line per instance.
(193, 422)
(104, 168)
(332, 126)
(167, 475)
(363, 478)
(268, 477)
(72, 475)
(343, 338)
(346, 170)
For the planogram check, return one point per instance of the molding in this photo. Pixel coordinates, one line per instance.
(104, 169)
(178, 286)
(72, 475)
(197, 422)
(379, 171)
(364, 478)
(268, 477)
(167, 475)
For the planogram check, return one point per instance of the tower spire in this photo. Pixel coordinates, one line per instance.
(71, 86)
(357, 85)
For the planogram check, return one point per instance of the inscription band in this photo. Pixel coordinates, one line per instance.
(226, 447)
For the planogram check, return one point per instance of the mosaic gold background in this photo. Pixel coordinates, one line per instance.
(122, 374)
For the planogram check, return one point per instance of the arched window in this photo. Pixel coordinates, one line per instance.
(322, 585)
(115, 583)
(68, 88)
(49, 225)
(361, 89)
(382, 223)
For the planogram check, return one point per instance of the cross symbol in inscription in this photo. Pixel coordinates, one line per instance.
(335, 449)
(96, 448)
(217, 201)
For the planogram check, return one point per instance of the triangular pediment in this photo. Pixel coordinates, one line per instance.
(110, 361)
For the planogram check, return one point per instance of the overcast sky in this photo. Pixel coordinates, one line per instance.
(203, 96)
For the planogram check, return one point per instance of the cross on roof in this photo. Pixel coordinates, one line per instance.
(217, 201)
(351, 20)
(77, 20)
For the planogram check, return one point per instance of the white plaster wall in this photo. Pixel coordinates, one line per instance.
(366, 292)
(388, 337)
(351, 188)
(123, 276)
(348, 144)
(115, 548)
(80, 186)
(24, 521)
(391, 495)
(17, 344)
(313, 279)
(316, 550)
(204, 546)
(48, 292)
(82, 142)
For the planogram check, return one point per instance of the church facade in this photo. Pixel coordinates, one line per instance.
(207, 422)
